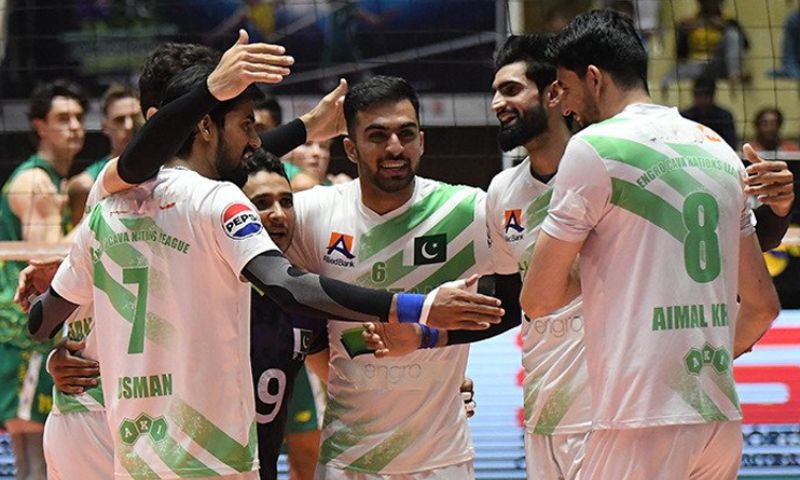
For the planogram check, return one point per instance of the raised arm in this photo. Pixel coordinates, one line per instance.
(240, 66)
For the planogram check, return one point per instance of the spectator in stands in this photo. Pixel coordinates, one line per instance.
(122, 117)
(705, 111)
(768, 123)
(709, 44)
(268, 113)
(313, 160)
(791, 48)
(31, 209)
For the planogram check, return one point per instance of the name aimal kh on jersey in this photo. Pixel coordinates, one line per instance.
(675, 317)
(159, 385)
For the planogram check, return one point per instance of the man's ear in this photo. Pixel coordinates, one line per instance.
(206, 128)
(350, 150)
(596, 79)
(38, 124)
(150, 112)
(421, 142)
(551, 96)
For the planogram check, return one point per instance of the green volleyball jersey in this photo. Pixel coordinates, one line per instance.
(399, 415)
(659, 203)
(13, 320)
(162, 264)
(557, 398)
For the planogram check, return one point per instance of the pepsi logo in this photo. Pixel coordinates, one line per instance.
(240, 221)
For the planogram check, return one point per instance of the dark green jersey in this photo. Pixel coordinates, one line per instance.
(12, 320)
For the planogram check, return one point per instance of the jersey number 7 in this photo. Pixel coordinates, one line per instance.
(138, 276)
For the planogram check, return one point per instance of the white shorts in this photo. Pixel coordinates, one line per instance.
(78, 445)
(459, 471)
(556, 457)
(705, 451)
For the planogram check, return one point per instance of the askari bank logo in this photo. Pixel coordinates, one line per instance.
(240, 221)
(513, 221)
(341, 244)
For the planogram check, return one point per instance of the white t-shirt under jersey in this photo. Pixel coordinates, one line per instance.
(164, 261)
(658, 201)
(557, 397)
(399, 415)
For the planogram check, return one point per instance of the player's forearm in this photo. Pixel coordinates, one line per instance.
(507, 289)
(770, 228)
(159, 140)
(752, 323)
(298, 292)
(284, 138)
(47, 314)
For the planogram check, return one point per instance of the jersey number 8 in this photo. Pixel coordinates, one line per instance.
(701, 253)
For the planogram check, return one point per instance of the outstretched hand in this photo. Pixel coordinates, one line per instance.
(246, 63)
(770, 181)
(326, 119)
(35, 279)
(452, 307)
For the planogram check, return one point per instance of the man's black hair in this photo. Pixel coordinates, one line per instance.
(532, 49)
(42, 97)
(185, 81)
(705, 84)
(270, 104)
(607, 40)
(377, 90)
(767, 110)
(264, 161)
(166, 61)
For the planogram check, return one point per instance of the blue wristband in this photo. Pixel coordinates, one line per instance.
(430, 337)
(409, 307)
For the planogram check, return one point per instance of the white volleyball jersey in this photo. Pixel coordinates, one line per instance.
(398, 415)
(659, 203)
(165, 259)
(78, 328)
(556, 390)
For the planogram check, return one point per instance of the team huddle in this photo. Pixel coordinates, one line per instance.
(198, 284)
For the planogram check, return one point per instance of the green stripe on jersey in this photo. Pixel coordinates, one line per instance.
(213, 439)
(136, 467)
(537, 210)
(644, 158)
(692, 393)
(181, 462)
(649, 206)
(376, 459)
(388, 232)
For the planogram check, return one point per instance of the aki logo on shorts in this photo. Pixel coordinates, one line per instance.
(430, 249)
(240, 221)
(513, 220)
(342, 243)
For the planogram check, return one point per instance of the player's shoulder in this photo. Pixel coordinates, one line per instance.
(428, 186)
(323, 196)
(503, 180)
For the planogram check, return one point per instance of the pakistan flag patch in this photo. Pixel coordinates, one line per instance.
(430, 249)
